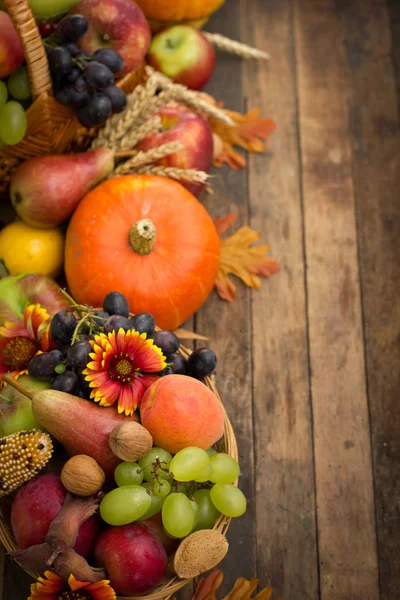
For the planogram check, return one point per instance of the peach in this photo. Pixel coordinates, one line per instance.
(180, 411)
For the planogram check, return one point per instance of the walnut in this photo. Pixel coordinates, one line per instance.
(130, 441)
(82, 475)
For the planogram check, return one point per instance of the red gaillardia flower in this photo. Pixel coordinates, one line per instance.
(19, 342)
(52, 587)
(122, 368)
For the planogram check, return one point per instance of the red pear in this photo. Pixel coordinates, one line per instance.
(81, 426)
(46, 189)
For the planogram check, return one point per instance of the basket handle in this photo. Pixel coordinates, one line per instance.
(32, 44)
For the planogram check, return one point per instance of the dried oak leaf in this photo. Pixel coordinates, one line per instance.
(248, 132)
(239, 258)
(242, 590)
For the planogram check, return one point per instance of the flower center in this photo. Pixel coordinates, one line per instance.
(19, 352)
(122, 368)
(78, 595)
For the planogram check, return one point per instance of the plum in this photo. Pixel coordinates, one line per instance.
(135, 559)
(34, 508)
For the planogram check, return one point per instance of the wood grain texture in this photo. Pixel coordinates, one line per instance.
(285, 501)
(393, 7)
(376, 168)
(345, 505)
(229, 325)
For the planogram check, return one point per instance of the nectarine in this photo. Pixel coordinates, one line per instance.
(180, 411)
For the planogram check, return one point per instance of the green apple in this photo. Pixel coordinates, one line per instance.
(16, 409)
(48, 10)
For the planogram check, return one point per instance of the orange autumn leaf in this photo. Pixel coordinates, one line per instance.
(242, 589)
(223, 223)
(240, 258)
(248, 132)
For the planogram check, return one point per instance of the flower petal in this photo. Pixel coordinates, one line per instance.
(75, 585)
(130, 397)
(108, 393)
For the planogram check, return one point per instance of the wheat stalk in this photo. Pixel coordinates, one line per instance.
(125, 130)
(181, 93)
(135, 135)
(145, 158)
(189, 175)
(234, 47)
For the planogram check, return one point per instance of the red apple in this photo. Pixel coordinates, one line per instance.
(34, 508)
(194, 133)
(28, 288)
(11, 53)
(116, 24)
(135, 559)
(184, 54)
(155, 525)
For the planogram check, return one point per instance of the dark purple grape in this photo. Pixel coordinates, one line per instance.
(72, 28)
(78, 354)
(95, 112)
(56, 356)
(115, 303)
(62, 327)
(110, 58)
(83, 384)
(60, 60)
(143, 323)
(115, 322)
(164, 372)
(117, 98)
(80, 84)
(68, 382)
(100, 317)
(64, 95)
(41, 366)
(98, 76)
(78, 99)
(201, 363)
(177, 363)
(72, 48)
(167, 341)
(73, 75)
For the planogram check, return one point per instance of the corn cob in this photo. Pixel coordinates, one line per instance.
(22, 456)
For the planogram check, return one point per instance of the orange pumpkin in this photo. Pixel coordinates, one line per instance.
(148, 238)
(163, 12)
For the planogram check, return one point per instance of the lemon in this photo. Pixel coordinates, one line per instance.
(28, 249)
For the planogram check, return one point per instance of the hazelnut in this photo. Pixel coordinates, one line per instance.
(82, 475)
(130, 441)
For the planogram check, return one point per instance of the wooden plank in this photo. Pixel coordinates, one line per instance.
(394, 21)
(376, 147)
(285, 506)
(229, 325)
(345, 505)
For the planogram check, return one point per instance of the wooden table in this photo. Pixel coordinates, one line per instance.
(309, 366)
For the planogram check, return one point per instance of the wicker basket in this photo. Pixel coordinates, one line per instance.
(52, 127)
(172, 583)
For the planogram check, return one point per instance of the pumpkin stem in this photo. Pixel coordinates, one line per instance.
(142, 236)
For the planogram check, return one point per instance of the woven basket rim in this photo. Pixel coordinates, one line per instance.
(171, 583)
(32, 44)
